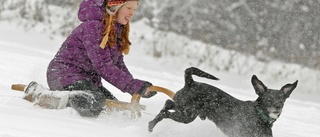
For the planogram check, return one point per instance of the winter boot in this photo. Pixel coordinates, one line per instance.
(43, 97)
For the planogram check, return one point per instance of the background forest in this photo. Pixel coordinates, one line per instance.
(275, 39)
(285, 30)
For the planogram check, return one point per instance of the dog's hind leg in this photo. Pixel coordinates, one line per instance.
(164, 113)
(178, 115)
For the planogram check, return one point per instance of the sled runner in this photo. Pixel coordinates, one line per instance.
(134, 106)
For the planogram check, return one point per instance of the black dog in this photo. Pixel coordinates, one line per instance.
(234, 117)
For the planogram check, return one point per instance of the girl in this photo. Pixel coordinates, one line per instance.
(93, 51)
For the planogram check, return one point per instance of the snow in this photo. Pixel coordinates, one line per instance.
(24, 58)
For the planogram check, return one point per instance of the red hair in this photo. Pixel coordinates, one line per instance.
(110, 37)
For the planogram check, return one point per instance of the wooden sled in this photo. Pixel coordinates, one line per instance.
(134, 106)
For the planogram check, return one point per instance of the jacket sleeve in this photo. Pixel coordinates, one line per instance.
(122, 65)
(116, 74)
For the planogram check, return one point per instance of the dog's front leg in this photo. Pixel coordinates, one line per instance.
(164, 113)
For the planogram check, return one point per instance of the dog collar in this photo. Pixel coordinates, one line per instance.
(265, 117)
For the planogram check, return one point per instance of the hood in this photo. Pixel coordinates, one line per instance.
(91, 10)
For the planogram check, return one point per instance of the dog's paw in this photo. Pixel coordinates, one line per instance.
(151, 126)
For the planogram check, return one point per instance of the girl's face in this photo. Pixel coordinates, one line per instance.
(126, 12)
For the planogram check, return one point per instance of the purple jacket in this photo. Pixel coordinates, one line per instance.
(81, 58)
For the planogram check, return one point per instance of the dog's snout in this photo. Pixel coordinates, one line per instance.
(275, 109)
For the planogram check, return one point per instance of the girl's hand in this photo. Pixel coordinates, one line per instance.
(148, 93)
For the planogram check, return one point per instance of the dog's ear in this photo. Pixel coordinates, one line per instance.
(288, 88)
(258, 86)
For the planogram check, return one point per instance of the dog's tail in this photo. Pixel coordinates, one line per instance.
(195, 71)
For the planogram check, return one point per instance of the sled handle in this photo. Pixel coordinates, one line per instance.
(163, 90)
(136, 97)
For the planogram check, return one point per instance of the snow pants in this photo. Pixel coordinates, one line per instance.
(87, 98)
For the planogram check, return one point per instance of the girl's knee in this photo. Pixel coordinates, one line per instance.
(89, 103)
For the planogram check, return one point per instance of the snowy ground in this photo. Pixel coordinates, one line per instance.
(24, 57)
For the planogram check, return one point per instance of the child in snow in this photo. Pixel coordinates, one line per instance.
(92, 51)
